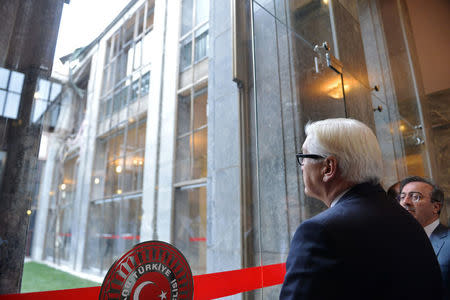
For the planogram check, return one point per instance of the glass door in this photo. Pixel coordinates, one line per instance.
(296, 80)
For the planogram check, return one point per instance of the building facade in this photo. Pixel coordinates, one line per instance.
(181, 122)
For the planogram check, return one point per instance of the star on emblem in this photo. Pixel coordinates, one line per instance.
(163, 295)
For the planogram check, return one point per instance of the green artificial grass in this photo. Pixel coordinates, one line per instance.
(39, 277)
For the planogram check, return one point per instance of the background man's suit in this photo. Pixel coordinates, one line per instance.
(440, 239)
(365, 247)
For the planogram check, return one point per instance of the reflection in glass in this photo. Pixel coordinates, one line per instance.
(201, 11)
(200, 100)
(200, 151)
(293, 86)
(16, 82)
(42, 89)
(56, 89)
(2, 101)
(408, 122)
(186, 21)
(201, 45)
(185, 53)
(39, 108)
(150, 16)
(183, 166)
(147, 54)
(190, 226)
(184, 114)
(12, 106)
(11, 83)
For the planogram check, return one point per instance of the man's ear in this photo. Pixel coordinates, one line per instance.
(330, 168)
(436, 207)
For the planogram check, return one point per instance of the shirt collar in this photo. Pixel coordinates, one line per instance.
(333, 203)
(431, 227)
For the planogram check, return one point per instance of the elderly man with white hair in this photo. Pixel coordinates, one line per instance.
(364, 246)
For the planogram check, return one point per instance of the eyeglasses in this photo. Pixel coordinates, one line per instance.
(414, 196)
(301, 156)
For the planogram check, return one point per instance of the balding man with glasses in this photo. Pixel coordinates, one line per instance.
(364, 246)
(424, 200)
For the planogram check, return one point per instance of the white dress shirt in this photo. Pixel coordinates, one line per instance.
(333, 203)
(431, 227)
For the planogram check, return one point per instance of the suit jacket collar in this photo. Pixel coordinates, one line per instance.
(362, 190)
(437, 238)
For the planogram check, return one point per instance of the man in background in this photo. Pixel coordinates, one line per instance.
(363, 246)
(424, 200)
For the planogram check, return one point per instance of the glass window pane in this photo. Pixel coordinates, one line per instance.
(201, 11)
(128, 30)
(186, 20)
(140, 170)
(134, 90)
(137, 54)
(105, 80)
(4, 76)
(101, 242)
(130, 223)
(110, 79)
(150, 15)
(130, 61)
(42, 89)
(183, 165)
(141, 20)
(200, 101)
(129, 173)
(124, 95)
(116, 101)
(39, 108)
(2, 101)
(56, 89)
(108, 51)
(115, 147)
(185, 54)
(184, 114)
(201, 46)
(190, 226)
(116, 45)
(54, 114)
(200, 153)
(16, 82)
(141, 136)
(132, 144)
(147, 51)
(121, 70)
(108, 110)
(145, 82)
(12, 105)
(109, 179)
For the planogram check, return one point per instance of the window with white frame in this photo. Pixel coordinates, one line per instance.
(190, 194)
(190, 176)
(194, 32)
(46, 93)
(127, 62)
(11, 83)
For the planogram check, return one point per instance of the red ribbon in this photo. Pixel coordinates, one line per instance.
(207, 286)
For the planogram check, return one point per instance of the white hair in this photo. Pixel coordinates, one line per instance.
(353, 144)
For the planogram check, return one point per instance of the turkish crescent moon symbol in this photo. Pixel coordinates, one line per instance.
(137, 291)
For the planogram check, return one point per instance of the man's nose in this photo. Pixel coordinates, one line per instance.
(406, 201)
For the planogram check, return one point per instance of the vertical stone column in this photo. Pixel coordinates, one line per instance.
(224, 244)
(22, 152)
(32, 28)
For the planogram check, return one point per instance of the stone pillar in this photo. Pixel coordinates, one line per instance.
(31, 29)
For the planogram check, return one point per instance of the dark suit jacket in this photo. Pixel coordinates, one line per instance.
(440, 239)
(365, 247)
